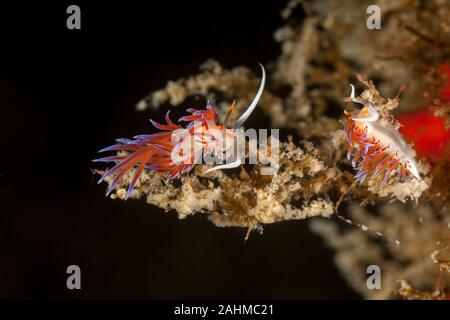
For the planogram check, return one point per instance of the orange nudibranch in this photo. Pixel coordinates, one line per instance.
(375, 147)
(175, 150)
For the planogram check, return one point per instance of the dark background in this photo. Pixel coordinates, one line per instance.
(64, 94)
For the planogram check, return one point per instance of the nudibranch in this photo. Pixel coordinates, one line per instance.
(175, 149)
(375, 146)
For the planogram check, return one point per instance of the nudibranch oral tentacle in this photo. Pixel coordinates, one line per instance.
(239, 122)
(176, 149)
(375, 147)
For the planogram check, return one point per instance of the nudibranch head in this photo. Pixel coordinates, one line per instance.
(375, 146)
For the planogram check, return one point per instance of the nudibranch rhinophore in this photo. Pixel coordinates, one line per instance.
(375, 146)
(175, 150)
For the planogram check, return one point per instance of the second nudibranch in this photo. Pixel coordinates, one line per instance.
(175, 150)
(375, 147)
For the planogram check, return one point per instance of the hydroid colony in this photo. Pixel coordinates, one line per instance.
(319, 59)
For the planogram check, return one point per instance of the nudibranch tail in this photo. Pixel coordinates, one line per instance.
(175, 149)
(375, 148)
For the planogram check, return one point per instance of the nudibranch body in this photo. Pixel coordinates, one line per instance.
(375, 146)
(175, 150)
